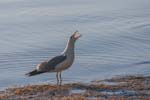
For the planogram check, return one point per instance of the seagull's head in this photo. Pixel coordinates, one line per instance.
(75, 36)
(70, 45)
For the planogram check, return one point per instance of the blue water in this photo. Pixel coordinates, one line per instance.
(116, 38)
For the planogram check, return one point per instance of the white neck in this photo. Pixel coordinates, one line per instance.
(69, 50)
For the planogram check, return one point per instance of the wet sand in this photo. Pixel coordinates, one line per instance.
(117, 88)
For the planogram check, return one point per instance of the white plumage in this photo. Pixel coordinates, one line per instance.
(60, 62)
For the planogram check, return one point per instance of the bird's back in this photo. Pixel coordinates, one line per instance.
(52, 63)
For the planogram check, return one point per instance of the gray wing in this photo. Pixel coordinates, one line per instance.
(55, 61)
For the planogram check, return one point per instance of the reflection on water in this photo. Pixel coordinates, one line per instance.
(115, 39)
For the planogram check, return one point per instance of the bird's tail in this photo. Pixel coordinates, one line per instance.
(34, 72)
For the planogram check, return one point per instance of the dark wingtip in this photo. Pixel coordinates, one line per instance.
(32, 73)
(27, 74)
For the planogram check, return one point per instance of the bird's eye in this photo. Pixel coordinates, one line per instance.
(71, 37)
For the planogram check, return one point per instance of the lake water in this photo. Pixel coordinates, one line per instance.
(115, 41)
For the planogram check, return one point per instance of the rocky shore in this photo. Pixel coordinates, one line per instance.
(118, 88)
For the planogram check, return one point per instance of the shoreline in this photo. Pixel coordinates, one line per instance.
(124, 87)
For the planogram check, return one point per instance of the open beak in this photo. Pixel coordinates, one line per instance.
(76, 35)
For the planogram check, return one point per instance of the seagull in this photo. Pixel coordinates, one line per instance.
(58, 63)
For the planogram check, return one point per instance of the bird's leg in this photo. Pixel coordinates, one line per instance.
(57, 78)
(60, 78)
